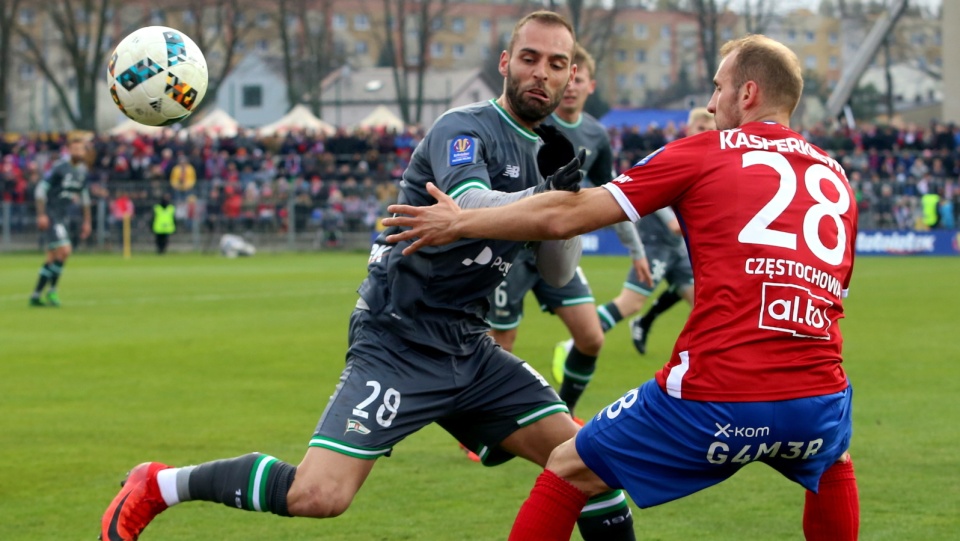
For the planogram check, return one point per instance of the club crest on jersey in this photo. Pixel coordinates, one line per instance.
(649, 157)
(356, 426)
(463, 149)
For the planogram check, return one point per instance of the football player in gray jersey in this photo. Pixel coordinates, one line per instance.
(574, 360)
(62, 187)
(419, 352)
(669, 260)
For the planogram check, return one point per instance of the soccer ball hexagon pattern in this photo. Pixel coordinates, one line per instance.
(157, 76)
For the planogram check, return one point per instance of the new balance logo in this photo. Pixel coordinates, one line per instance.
(512, 171)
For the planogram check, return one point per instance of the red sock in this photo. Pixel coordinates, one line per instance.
(551, 511)
(833, 514)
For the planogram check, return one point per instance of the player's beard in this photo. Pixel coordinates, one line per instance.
(527, 109)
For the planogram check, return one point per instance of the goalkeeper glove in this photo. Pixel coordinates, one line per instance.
(566, 178)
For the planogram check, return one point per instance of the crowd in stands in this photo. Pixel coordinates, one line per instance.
(345, 181)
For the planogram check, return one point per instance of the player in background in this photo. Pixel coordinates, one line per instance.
(419, 352)
(672, 252)
(63, 186)
(756, 374)
(573, 303)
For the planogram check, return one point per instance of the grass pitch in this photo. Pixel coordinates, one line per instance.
(189, 358)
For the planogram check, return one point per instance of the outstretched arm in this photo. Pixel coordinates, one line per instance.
(547, 216)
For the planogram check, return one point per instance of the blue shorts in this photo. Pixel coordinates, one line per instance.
(659, 448)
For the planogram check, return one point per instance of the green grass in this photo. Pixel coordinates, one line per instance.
(190, 358)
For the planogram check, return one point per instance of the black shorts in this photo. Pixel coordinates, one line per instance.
(391, 388)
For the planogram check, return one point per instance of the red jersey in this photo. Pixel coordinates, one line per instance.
(770, 222)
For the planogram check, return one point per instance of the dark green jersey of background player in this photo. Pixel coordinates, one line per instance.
(63, 186)
(438, 296)
(588, 134)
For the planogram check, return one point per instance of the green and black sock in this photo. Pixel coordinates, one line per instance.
(45, 274)
(663, 303)
(56, 269)
(254, 482)
(577, 373)
(609, 316)
(607, 517)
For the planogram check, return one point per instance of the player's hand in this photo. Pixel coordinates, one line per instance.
(567, 178)
(85, 230)
(430, 226)
(642, 268)
(556, 151)
(43, 222)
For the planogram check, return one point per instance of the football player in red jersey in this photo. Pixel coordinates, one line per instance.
(755, 375)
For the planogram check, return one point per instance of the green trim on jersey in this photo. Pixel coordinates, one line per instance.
(469, 184)
(513, 123)
(577, 300)
(564, 123)
(257, 491)
(603, 504)
(544, 411)
(641, 290)
(347, 449)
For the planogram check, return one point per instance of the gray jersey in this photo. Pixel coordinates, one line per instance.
(64, 185)
(438, 296)
(589, 134)
(654, 230)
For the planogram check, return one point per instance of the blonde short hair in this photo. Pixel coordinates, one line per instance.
(548, 18)
(771, 65)
(584, 61)
(699, 113)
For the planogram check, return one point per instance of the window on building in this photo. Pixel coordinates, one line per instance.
(361, 48)
(436, 24)
(665, 58)
(156, 16)
(361, 22)
(640, 56)
(665, 32)
(27, 72)
(457, 25)
(187, 16)
(621, 81)
(458, 50)
(251, 96)
(339, 21)
(640, 80)
(810, 62)
(620, 55)
(726, 34)
(26, 16)
(834, 62)
(485, 25)
(485, 52)
(834, 38)
(640, 31)
(811, 37)
(436, 50)
(665, 81)
(791, 36)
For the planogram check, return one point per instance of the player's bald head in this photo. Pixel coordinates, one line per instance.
(771, 65)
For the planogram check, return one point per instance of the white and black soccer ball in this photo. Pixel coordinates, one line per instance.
(157, 76)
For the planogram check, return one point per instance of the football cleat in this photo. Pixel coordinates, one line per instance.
(577, 420)
(35, 301)
(137, 503)
(470, 454)
(52, 298)
(560, 352)
(638, 333)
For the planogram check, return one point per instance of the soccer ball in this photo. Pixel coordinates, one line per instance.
(157, 76)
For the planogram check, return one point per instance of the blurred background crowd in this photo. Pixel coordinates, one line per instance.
(904, 178)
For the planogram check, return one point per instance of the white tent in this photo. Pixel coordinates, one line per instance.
(381, 116)
(216, 123)
(300, 118)
(132, 127)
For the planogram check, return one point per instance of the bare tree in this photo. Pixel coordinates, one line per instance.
(8, 14)
(399, 17)
(757, 15)
(707, 19)
(308, 53)
(81, 30)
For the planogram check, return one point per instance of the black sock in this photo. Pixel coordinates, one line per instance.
(607, 518)
(45, 274)
(56, 268)
(661, 305)
(577, 373)
(609, 315)
(253, 482)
